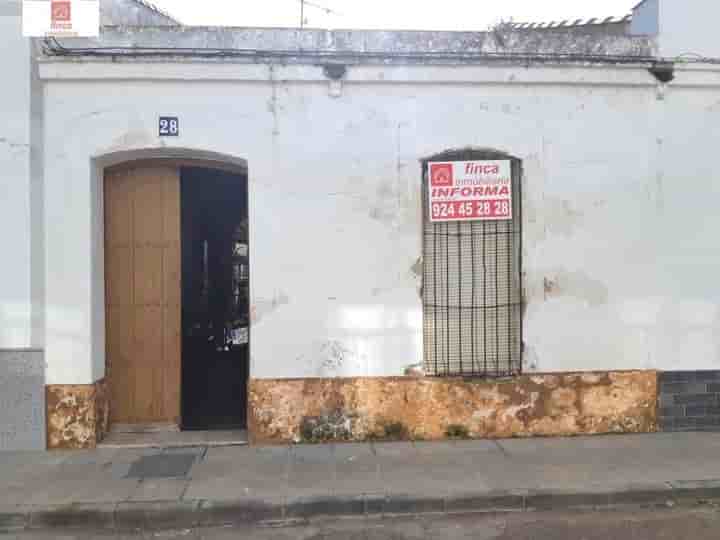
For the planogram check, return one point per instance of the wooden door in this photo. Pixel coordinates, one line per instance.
(143, 312)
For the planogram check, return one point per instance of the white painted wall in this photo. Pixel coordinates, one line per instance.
(689, 27)
(620, 193)
(15, 96)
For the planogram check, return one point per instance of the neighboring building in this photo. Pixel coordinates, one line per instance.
(167, 188)
(134, 13)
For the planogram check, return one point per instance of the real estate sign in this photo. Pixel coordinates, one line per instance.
(470, 190)
(61, 18)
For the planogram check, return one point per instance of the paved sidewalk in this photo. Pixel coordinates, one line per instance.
(127, 489)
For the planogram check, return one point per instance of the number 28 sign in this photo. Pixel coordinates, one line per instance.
(470, 190)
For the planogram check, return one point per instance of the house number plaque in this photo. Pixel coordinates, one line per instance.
(169, 126)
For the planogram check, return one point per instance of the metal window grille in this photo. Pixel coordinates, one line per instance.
(472, 288)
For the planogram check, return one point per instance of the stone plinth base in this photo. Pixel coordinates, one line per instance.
(77, 415)
(356, 409)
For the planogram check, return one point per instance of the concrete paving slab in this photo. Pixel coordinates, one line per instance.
(311, 470)
(356, 470)
(32, 458)
(435, 447)
(394, 449)
(348, 450)
(312, 453)
(432, 474)
(278, 455)
(230, 472)
(234, 484)
(86, 489)
(159, 489)
(164, 465)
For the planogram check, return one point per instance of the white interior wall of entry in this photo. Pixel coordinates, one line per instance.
(620, 201)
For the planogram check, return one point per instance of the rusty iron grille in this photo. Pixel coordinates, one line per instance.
(472, 289)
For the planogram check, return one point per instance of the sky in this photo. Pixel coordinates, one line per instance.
(389, 14)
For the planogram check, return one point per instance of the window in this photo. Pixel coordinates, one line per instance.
(472, 289)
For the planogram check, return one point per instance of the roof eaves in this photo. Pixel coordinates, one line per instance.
(572, 23)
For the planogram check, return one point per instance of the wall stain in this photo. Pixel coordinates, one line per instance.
(575, 284)
(417, 267)
(333, 355)
(539, 405)
(561, 218)
(137, 138)
(659, 180)
(264, 307)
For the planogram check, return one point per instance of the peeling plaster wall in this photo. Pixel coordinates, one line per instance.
(620, 198)
(315, 410)
(77, 415)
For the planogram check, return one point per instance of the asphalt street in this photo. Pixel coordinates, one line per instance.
(699, 523)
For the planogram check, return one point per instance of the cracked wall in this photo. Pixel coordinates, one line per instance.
(357, 409)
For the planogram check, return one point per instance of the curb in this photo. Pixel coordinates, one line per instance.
(180, 514)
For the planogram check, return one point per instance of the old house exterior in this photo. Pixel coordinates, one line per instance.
(593, 309)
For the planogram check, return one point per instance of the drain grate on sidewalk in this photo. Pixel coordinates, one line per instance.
(174, 465)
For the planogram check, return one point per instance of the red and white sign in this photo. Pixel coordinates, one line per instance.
(470, 190)
(61, 14)
(61, 18)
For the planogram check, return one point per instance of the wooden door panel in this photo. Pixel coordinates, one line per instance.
(149, 203)
(119, 344)
(171, 349)
(143, 310)
(118, 275)
(171, 210)
(118, 214)
(147, 358)
(171, 263)
(148, 270)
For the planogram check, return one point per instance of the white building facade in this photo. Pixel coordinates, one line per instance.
(330, 132)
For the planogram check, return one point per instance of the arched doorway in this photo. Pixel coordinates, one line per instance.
(177, 294)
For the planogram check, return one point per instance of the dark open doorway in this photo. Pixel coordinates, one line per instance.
(215, 298)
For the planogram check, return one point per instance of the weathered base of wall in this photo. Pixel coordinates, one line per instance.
(356, 409)
(22, 399)
(689, 401)
(77, 415)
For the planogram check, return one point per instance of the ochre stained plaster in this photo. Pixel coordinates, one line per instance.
(282, 410)
(77, 415)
